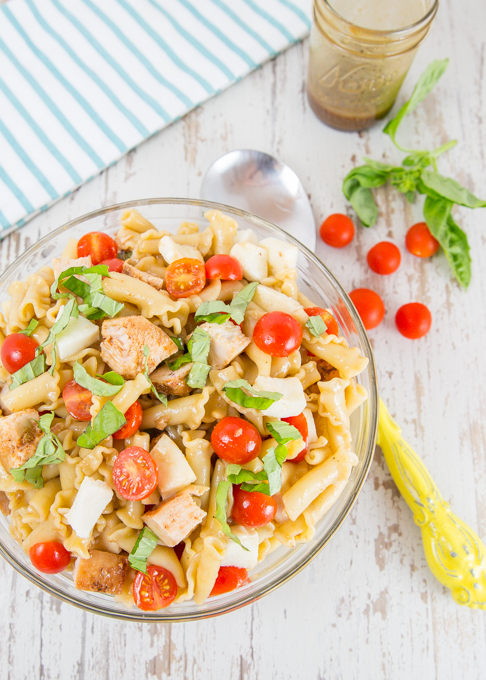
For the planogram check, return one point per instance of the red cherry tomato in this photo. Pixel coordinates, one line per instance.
(277, 334)
(185, 277)
(114, 265)
(413, 320)
(134, 474)
(17, 350)
(369, 305)
(133, 417)
(224, 267)
(300, 422)
(252, 508)
(329, 320)
(420, 242)
(154, 590)
(77, 401)
(337, 230)
(98, 246)
(229, 578)
(50, 557)
(236, 441)
(384, 258)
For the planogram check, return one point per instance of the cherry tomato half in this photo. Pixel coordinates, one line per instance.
(329, 320)
(114, 265)
(252, 508)
(224, 267)
(133, 416)
(277, 334)
(154, 590)
(420, 242)
(337, 230)
(300, 422)
(413, 320)
(236, 441)
(98, 246)
(50, 557)
(17, 350)
(185, 277)
(229, 578)
(384, 258)
(134, 474)
(77, 401)
(369, 305)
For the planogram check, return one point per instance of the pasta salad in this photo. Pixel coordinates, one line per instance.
(174, 409)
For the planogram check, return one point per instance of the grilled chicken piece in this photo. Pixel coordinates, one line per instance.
(103, 572)
(173, 520)
(123, 342)
(327, 371)
(227, 341)
(172, 382)
(19, 436)
(153, 281)
(60, 264)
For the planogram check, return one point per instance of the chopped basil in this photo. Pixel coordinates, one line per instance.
(96, 305)
(220, 514)
(179, 343)
(316, 325)
(198, 347)
(180, 361)
(113, 378)
(69, 309)
(28, 372)
(142, 550)
(249, 481)
(53, 357)
(240, 301)
(108, 421)
(98, 387)
(30, 328)
(49, 451)
(198, 375)
(260, 400)
(161, 397)
(216, 311)
(283, 433)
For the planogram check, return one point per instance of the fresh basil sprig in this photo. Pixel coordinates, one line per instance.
(260, 400)
(30, 328)
(49, 451)
(220, 514)
(28, 372)
(142, 550)
(108, 421)
(97, 387)
(161, 397)
(216, 311)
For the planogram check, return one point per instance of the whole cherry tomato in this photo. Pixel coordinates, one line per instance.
(185, 277)
(224, 267)
(369, 305)
(277, 334)
(337, 230)
(384, 258)
(134, 474)
(77, 400)
(236, 440)
(329, 320)
(300, 422)
(229, 578)
(114, 265)
(133, 416)
(154, 590)
(252, 508)
(413, 320)
(50, 557)
(420, 242)
(17, 350)
(97, 245)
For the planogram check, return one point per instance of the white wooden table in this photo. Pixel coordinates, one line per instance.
(367, 607)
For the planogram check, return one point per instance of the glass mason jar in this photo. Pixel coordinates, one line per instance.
(360, 52)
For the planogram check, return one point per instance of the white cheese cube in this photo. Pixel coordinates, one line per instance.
(172, 251)
(311, 425)
(235, 555)
(174, 472)
(249, 235)
(90, 501)
(292, 402)
(253, 259)
(78, 334)
(281, 255)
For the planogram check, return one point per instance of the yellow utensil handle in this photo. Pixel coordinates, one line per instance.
(455, 554)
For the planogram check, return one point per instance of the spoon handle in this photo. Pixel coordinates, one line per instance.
(455, 554)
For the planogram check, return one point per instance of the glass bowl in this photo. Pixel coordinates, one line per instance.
(317, 282)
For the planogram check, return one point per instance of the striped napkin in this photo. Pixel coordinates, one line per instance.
(84, 81)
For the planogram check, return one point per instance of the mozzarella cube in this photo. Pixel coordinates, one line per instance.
(235, 555)
(249, 235)
(90, 501)
(281, 255)
(172, 251)
(291, 403)
(253, 259)
(78, 334)
(311, 425)
(174, 472)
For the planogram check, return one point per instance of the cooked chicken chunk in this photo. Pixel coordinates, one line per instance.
(103, 572)
(173, 520)
(327, 371)
(153, 281)
(227, 341)
(123, 343)
(19, 436)
(172, 382)
(60, 264)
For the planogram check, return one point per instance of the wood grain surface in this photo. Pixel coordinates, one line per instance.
(367, 607)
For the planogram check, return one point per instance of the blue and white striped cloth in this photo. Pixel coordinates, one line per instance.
(84, 81)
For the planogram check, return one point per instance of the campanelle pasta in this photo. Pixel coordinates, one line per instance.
(116, 440)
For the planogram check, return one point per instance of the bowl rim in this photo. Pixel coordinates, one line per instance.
(136, 615)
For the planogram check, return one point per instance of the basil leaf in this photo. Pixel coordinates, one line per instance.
(356, 188)
(241, 300)
(283, 432)
(53, 357)
(199, 345)
(210, 311)
(30, 328)
(184, 359)
(316, 325)
(198, 375)
(108, 421)
(113, 378)
(103, 302)
(49, 451)
(76, 286)
(60, 324)
(161, 397)
(237, 475)
(28, 372)
(272, 464)
(260, 400)
(179, 343)
(98, 387)
(450, 189)
(220, 514)
(142, 550)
